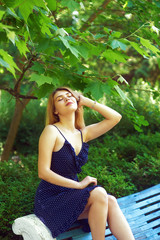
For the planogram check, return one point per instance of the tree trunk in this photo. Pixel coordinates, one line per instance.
(19, 107)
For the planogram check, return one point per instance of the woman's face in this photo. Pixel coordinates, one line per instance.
(64, 102)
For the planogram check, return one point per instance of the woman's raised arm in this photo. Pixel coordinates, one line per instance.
(95, 130)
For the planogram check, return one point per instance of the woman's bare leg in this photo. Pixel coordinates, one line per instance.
(101, 208)
(97, 213)
(117, 221)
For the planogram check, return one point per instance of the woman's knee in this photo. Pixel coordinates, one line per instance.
(112, 201)
(100, 195)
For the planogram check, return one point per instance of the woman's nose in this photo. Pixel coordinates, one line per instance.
(66, 97)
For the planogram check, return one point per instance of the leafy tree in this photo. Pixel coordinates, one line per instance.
(47, 43)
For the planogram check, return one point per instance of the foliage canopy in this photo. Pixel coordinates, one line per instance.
(85, 45)
(62, 42)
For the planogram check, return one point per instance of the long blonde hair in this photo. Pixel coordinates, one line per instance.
(52, 118)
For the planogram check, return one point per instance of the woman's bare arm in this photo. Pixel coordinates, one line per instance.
(95, 130)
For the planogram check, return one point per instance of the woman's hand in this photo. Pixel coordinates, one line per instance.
(86, 181)
(81, 101)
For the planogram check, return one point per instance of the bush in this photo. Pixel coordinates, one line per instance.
(18, 183)
(125, 165)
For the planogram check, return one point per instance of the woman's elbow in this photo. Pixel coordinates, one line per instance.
(119, 117)
(42, 174)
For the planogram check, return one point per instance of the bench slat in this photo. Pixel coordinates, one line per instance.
(140, 195)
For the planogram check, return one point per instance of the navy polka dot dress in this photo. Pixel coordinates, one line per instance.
(59, 207)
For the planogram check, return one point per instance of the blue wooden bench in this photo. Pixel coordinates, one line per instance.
(141, 209)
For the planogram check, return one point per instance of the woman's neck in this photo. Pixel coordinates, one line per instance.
(67, 123)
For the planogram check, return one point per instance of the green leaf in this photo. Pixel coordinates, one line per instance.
(128, 3)
(26, 7)
(117, 44)
(9, 60)
(109, 55)
(93, 50)
(1, 14)
(71, 4)
(121, 93)
(11, 12)
(111, 82)
(5, 27)
(123, 96)
(139, 49)
(12, 36)
(52, 5)
(61, 32)
(107, 30)
(65, 42)
(122, 80)
(137, 128)
(46, 30)
(38, 67)
(112, 56)
(139, 120)
(73, 50)
(83, 51)
(44, 90)
(146, 43)
(99, 35)
(96, 89)
(13, 4)
(3, 63)
(116, 34)
(21, 45)
(42, 79)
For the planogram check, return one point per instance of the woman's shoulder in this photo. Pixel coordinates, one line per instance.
(49, 131)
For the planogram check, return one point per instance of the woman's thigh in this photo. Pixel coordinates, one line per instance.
(97, 194)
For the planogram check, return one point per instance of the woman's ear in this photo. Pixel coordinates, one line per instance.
(56, 113)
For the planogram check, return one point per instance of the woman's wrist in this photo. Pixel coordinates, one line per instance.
(87, 102)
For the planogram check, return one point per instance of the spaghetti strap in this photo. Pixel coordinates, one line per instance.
(65, 137)
(81, 135)
(60, 132)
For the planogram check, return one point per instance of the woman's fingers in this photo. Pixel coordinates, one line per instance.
(88, 180)
(93, 180)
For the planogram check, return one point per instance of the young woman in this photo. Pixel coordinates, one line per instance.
(61, 198)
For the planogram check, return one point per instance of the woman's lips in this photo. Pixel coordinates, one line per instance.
(69, 103)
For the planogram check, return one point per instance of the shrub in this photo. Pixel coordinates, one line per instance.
(125, 165)
(18, 183)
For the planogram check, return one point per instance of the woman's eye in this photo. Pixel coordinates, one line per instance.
(60, 99)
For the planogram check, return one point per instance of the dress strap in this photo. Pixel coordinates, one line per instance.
(60, 132)
(81, 135)
(64, 136)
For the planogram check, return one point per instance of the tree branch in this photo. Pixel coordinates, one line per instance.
(55, 18)
(95, 15)
(145, 90)
(16, 94)
(25, 68)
